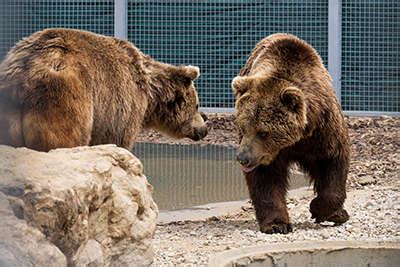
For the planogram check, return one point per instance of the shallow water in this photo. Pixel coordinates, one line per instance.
(188, 175)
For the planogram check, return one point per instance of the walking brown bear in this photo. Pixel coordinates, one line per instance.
(287, 113)
(66, 88)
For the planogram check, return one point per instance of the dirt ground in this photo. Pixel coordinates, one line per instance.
(375, 145)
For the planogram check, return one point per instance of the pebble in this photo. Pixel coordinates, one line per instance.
(366, 180)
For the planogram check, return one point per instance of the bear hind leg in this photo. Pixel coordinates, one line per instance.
(58, 114)
(330, 186)
(43, 133)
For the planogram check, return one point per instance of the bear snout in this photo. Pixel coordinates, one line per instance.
(243, 158)
(247, 162)
(198, 128)
(199, 133)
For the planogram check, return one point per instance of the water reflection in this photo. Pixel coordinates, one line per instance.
(188, 175)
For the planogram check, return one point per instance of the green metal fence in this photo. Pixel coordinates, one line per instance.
(218, 35)
(371, 55)
(20, 18)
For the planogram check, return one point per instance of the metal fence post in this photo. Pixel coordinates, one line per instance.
(335, 44)
(121, 19)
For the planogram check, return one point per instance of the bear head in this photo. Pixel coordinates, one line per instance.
(179, 117)
(271, 115)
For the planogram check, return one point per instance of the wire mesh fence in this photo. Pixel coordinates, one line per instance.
(371, 55)
(20, 18)
(218, 35)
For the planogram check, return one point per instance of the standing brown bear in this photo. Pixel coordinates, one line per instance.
(287, 113)
(66, 88)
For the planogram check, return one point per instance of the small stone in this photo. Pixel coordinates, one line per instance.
(213, 219)
(366, 180)
(325, 235)
(370, 204)
(192, 233)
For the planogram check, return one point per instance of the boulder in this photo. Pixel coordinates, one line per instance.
(93, 203)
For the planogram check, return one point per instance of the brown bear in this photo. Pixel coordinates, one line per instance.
(66, 88)
(287, 113)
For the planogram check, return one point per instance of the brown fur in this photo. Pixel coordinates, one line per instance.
(287, 113)
(66, 88)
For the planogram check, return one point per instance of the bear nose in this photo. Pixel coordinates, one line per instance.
(243, 159)
(203, 132)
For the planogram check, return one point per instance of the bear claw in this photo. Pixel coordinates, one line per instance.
(277, 228)
(338, 217)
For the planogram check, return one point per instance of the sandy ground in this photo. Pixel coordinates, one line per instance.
(373, 200)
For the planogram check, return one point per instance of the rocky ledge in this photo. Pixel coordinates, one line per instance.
(81, 206)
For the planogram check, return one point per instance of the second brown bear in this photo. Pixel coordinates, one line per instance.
(287, 113)
(66, 88)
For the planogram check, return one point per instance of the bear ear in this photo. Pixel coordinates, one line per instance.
(186, 74)
(192, 72)
(292, 98)
(240, 84)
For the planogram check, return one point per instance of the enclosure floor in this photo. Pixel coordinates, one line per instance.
(374, 215)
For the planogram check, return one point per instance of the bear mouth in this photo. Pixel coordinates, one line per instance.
(248, 169)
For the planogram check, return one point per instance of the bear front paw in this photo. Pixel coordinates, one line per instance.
(276, 228)
(328, 207)
(338, 217)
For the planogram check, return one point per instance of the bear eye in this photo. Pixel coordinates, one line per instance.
(263, 135)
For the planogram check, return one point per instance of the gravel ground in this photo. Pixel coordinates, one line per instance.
(374, 211)
(373, 199)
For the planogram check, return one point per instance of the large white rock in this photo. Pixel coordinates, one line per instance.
(93, 203)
